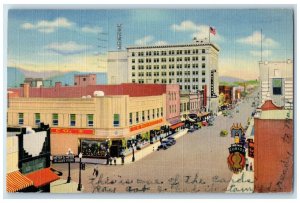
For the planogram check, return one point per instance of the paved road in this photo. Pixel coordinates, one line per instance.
(197, 163)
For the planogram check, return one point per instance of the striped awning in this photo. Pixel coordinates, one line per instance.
(16, 181)
(42, 177)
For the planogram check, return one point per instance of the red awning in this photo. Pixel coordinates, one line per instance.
(42, 177)
(177, 125)
(16, 181)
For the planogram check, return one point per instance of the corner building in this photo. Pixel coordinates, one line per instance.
(192, 66)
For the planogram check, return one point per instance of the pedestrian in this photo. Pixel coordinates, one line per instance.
(110, 161)
(115, 161)
(247, 164)
(251, 167)
(95, 169)
(123, 159)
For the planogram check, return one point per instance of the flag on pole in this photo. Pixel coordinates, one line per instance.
(212, 30)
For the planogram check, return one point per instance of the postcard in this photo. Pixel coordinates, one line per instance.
(148, 100)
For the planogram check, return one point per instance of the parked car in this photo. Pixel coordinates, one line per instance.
(191, 130)
(172, 141)
(204, 123)
(168, 143)
(162, 146)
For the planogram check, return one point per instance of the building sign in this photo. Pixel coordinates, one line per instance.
(145, 125)
(72, 131)
(250, 148)
(236, 158)
(237, 130)
(63, 159)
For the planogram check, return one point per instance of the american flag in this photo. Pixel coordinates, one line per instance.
(212, 30)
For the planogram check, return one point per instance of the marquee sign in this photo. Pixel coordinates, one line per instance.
(63, 159)
(144, 125)
(72, 131)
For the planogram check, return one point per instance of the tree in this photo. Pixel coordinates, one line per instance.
(221, 99)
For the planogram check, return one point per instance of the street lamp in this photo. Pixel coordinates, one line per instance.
(133, 158)
(107, 152)
(69, 153)
(79, 183)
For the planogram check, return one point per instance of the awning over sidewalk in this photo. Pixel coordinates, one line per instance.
(16, 181)
(42, 177)
(176, 125)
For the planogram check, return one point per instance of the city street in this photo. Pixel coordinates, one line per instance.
(196, 163)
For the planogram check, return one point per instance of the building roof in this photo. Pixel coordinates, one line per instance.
(174, 45)
(269, 105)
(131, 89)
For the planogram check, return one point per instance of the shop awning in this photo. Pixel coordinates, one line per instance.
(16, 181)
(42, 177)
(203, 114)
(177, 125)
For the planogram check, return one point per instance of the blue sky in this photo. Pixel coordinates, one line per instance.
(66, 40)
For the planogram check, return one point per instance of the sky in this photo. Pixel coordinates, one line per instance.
(78, 40)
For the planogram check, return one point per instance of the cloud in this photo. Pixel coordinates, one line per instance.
(255, 39)
(198, 31)
(67, 48)
(46, 26)
(160, 43)
(90, 29)
(145, 40)
(265, 53)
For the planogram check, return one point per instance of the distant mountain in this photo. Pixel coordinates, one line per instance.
(230, 79)
(68, 78)
(15, 77)
(40, 74)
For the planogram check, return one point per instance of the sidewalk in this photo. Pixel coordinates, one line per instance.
(139, 154)
(61, 186)
(244, 181)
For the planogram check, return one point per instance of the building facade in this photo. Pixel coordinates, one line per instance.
(85, 80)
(277, 82)
(73, 121)
(273, 149)
(192, 66)
(117, 72)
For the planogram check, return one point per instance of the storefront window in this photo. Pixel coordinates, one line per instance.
(90, 120)
(116, 120)
(143, 115)
(21, 118)
(137, 117)
(72, 119)
(161, 111)
(55, 119)
(148, 115)
(157, 112)
(93, 148)
(37, 118)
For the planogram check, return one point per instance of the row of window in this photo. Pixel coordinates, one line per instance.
(164, 60)
(189, 106)
(146, 115)
(170, 52)
(171, 66)
(171, 80)
(187, 73)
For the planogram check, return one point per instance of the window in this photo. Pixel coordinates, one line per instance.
(137, 117)
(72, 119)
(143, 116)
(161, 111)
(130, 118)
(153, 114)
(132, 54)
(133, 67)
(277, 86)
(148, 115)
(37, 118)
(90, 119)
(203, 51)
(116, 120)
(84, 79)
(133, 60)
(55, 119)
(157, 113)
(203, 58)
(21, 118)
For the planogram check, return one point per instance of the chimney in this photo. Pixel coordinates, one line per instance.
(26, 90)
(58, 84)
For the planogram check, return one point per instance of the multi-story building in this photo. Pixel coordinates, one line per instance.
(97, 113)
(277, 82)
(117, 71)
(273, 148)
(192, 66)
(84, 80)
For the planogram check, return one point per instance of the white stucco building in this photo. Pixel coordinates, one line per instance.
(277, 82)
(117, 72)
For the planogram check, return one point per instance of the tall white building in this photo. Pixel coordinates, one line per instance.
(117, 71)
(277, 82)
(192, 66)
